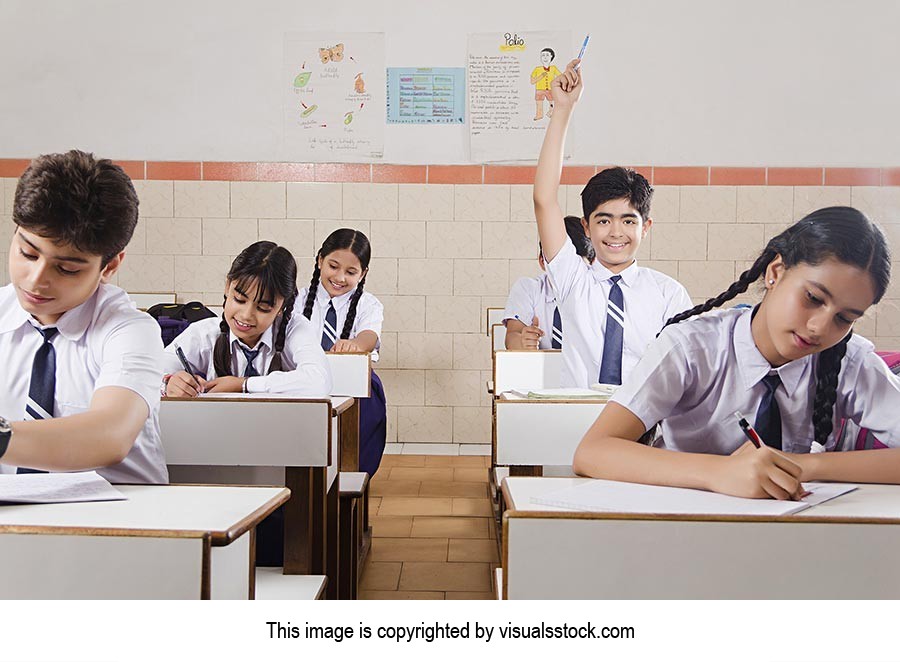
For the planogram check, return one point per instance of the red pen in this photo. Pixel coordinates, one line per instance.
(749, 432)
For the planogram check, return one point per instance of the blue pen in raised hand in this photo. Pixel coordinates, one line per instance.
(583, 49)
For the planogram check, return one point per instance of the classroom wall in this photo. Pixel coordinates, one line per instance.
(445, 251)
(689, 82)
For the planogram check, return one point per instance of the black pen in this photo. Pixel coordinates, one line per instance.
(187, 367)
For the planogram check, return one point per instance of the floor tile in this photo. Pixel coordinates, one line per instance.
(449, 488)
(450, 527)
(381, 576)
(403, 461)
(391, 527)
(469, 595)
(395, 505)
(404, 595)
(421, 474)
(394, 487)
(412, 549)
(445, 577)
(467, 551)
(469, 461)
(431, 449)
(470, 507)
(469, 475)
(475, 449)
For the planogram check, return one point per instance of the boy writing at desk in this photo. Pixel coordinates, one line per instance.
(612, 309)
(82, 368)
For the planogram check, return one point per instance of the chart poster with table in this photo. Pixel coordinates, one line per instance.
(510, 75)
(426, 95)
(334, 96)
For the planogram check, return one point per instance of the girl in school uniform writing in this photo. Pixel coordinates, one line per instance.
(347, 319)
(792, 366)
(260, 345)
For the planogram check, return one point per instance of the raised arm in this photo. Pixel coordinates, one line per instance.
(566, 91)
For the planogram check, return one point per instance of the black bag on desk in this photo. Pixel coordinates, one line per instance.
(173, 318)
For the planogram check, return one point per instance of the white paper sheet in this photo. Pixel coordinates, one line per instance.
(57, 488)
(610, 496)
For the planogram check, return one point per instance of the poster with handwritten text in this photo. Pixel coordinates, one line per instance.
(334, 89)
(509, 78)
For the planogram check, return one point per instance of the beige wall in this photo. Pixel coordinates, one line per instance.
(444, 252)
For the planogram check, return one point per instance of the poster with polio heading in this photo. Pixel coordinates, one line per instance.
(334, 96)
(510, 75)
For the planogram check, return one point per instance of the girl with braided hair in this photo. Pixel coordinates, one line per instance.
(348, 319)
(260, 344)
(792, 365)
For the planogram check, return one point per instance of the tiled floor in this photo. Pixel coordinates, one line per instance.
(432, 532)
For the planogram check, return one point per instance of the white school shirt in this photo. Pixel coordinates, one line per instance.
(582, 292)
(369, 313)
(700, 371)
(305, 371)
(103, 342)
(529, 297)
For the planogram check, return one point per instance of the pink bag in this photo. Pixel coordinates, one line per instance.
(865, 440)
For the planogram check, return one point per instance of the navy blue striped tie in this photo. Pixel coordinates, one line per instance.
(556, 331)
(42, 390)
(613, 337)
(250, 355)
(329, 329)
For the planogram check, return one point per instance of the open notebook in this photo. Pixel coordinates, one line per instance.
(57, 488)
(562, 394)
(609, 496)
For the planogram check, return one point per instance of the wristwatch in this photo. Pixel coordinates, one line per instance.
(5, 435)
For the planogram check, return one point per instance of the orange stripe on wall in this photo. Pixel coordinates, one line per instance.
(890, 177)
(795, 176)
(134, 169)
(509, 174)
(441, 174)
(400, 174)
(13, 167)
(852, 177)
(284, 172)
(680, 176)
(173, 170)
(343, 172)
(737, 176)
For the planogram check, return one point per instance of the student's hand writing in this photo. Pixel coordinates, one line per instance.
(566, 88)
(759, 473)
(225, 385)
(531, 335)
(346, 346)
(182, 385)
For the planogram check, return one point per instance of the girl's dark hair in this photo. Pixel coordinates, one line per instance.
(273, 270)
(583, 246)
(358, 244)
(842, 233)
(79, 200)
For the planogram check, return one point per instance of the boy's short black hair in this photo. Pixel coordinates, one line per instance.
(616, 183)
(552, 53)
(74, 198)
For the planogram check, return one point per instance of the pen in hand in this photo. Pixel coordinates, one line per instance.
(757, 441)
(187, 368)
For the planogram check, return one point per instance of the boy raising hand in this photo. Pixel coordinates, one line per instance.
(611, 309)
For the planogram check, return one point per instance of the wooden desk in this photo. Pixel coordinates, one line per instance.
(271, 439)
(842, 549)
(164, 542)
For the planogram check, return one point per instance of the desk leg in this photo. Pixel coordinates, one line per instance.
(348, 429)
(304, 521)
(332, 523)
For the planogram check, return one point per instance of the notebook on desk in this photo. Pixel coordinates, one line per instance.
(57, 488)
(561, 394)
(609, 496)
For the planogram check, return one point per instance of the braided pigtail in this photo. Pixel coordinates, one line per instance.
(351, 312)
(222, 350)
(275, 365)
(313, 290)
(828, 368)
(737, 287)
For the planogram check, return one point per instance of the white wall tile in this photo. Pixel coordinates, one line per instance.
(173, 236)
(509, 240)
(228, 236)
(471, 351)
(472, 425)
(298, 236)
(426, 276)
(371, 201)
(453, 387)
(403, 313)
(665, 207)
(879, 203)
(201, 199)
(810, 198)
(428, 351)
(383, 276)
(452, 314)
(736, 241)
(481, 202)
(205, 273)
(765, 204)
(454, 239)
(404, 387)
(313, 200)
(147, 273)
(155, 198)
(326, 227)
(708, 204)
(398, 238)
(679, 241)
(426, 202)
(477, 277)
(424, 424)
(258, 200)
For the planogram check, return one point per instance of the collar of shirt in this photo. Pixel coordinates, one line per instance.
(547, 289)
(340, 302)
(753, 366)
(265, 338)
(629, 274)
(71, 325)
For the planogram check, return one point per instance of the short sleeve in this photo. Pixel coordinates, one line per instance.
(565, 269)
(871, 396)
(658, 382)
(521, 302)
(369, 315)
(131, 355)
(677, 300)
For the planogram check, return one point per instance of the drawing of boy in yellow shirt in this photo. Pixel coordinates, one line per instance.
(541, 78)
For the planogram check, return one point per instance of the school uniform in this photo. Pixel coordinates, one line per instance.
(103, 342)
(369, 317)
(700, 371)
(535, 296)
(583, 294)
(304, 372)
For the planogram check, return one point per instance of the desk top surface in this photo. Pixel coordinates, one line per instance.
(182, 511)
(866, 502)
